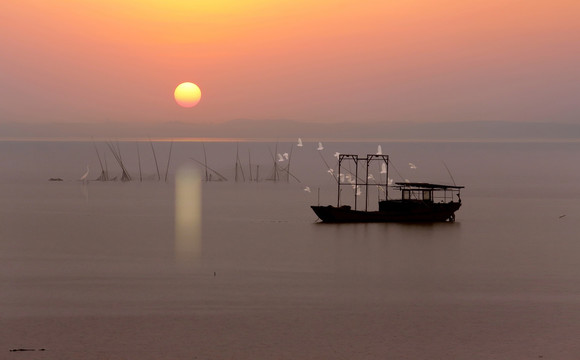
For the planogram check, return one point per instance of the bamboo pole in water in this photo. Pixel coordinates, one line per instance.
(155, 158)
(205, 161)
(168, 160)
(139, 160)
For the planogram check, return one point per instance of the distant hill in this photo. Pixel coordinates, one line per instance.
(288, 129)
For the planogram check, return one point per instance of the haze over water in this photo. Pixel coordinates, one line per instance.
(94, 271)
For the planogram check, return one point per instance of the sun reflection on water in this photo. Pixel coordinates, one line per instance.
(187, 215)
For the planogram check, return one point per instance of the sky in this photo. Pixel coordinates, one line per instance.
(327, 61)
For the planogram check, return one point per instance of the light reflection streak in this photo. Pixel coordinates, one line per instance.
(187, 215)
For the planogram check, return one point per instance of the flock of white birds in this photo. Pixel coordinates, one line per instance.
(347, 178)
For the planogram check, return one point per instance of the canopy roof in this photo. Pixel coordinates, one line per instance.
(428, 185)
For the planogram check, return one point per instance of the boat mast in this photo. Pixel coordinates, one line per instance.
(355, 180)
(387, 178)
(340, 157)
(369, 157)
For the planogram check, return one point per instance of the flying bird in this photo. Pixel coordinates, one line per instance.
(84, 177)
(336, 154)
(383, 168)
(331, 171)
(390, 181)
(299, 142)
(371, 177)
(561, 216)
(320, 147)
(280, 158)
(307, 189)
(412, 166)
(379, 150)
(285, 156)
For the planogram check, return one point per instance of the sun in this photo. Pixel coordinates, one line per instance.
(187, 94)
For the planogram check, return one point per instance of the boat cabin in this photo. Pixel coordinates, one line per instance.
(430, 193)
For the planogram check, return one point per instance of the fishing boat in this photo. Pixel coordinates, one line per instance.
(410, 202)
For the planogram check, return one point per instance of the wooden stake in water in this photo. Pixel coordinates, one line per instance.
(155, 158)
(168, 160)
(103, 176)
(250, 164)
(139, 160)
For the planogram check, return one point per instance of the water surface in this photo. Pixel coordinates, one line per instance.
(94, 271)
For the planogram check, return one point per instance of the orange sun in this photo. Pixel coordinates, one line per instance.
(187, 94)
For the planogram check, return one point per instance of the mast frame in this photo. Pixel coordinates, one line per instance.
(370, 158)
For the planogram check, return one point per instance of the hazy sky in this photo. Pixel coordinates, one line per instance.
(327, 60)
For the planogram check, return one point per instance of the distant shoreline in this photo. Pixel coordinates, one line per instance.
(289, 130)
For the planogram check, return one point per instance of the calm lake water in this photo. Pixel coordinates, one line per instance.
(99, 270)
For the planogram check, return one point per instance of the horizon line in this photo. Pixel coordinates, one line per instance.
(287, 140)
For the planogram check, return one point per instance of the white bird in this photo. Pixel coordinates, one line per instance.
(336, 154)
(389, 181)
(307, 189)
(331, 171)
(341, 177)
(280, 158)
(379, 150)
(299, 142)
(285, 156)
(84, 177)
(383, 168)
(371, 177)
(412, 166)
(320, 147)
(358, 191)
(407, 181)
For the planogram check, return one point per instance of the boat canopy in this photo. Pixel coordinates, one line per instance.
(422, 185)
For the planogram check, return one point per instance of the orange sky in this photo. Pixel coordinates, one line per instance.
(324, 61)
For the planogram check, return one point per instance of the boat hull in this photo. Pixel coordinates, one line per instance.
(390, 211)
